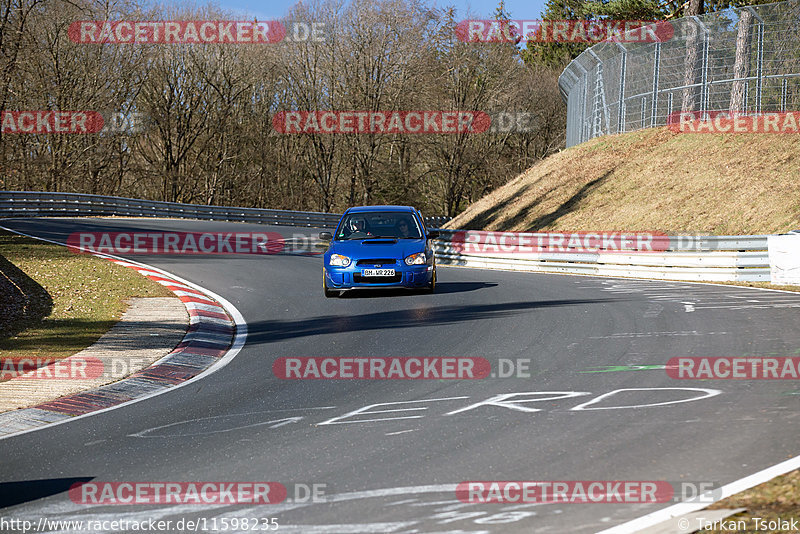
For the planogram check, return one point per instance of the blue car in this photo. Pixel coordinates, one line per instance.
(379, 247)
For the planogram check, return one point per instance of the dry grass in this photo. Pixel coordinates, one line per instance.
(57, 302)
(777, 499)
(653, 180)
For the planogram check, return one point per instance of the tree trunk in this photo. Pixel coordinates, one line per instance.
(692, 61)
(741, 65)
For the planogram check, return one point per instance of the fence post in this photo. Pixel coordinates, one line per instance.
(704, 86)
(656, 73)
(599, 105)
(585, 81)
(784, 94)
(759, 58)
(670, 97)
(746, 95)
(623, 65)
(642, 111)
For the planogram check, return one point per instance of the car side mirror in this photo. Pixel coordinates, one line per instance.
(326, 236)
(433, 234)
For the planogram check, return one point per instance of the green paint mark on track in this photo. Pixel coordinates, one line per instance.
(615, 368)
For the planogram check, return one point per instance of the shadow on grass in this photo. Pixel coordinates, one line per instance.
(23, 302)
(63, 335)
(485, 217)
(566, 207)
(59, 335)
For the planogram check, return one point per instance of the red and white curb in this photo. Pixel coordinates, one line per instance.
(217, 332)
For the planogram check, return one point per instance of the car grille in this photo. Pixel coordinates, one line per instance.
(357, 278)
(377, 261)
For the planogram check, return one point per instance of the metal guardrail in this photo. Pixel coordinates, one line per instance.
(743, 59)
(43, 204)
(699, 258)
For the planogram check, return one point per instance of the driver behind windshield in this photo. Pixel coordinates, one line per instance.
(402, 228)
(405, 229)
(357, 226)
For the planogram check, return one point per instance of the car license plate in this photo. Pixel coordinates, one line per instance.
(377, 272)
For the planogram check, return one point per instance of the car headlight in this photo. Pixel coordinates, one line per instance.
(416, 259)
(337, 260)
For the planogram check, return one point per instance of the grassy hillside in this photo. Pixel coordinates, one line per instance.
(653, 180)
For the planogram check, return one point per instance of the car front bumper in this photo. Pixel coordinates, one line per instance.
(406, 276)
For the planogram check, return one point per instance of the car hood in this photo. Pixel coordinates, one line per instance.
(359, 249)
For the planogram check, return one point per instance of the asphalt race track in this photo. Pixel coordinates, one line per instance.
(396, 471)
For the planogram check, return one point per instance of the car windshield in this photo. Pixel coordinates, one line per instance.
(374, 224)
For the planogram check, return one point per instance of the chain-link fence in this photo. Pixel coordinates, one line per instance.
(745, 60)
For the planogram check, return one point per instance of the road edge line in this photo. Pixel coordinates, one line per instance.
(732, 488)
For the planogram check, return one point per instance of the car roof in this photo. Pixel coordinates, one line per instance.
(366, 209)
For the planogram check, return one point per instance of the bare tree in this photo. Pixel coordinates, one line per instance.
(209, 107)
(692, 61)
(741, 65)
(14, 16)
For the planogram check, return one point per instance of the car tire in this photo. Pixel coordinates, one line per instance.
(432, 285)
(329, 293)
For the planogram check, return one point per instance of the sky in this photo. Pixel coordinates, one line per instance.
(482, 9)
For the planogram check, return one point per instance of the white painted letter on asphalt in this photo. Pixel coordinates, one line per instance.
(707, 393)
(500, 400)
(365, 410)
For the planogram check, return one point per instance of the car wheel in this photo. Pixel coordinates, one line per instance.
(432, 285)
(329, 293)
